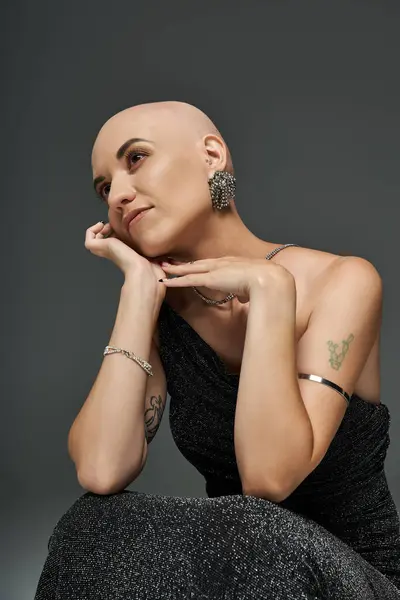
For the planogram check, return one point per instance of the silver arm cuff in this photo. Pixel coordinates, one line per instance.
(334, 386)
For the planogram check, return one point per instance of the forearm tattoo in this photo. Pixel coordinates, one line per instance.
(153, 416)
(337, 358)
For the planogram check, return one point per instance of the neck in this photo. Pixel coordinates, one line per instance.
(225, 235)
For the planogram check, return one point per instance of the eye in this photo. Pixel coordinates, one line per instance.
(132, 157)
(104, 191)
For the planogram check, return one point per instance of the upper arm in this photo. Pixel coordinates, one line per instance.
(340, 335)
(155, 398)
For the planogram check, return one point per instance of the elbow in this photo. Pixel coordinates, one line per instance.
(105, 486)
(258, 488)
(275, 492)
(105, 481)
(102, 487)
(95, 485)
(98, 487)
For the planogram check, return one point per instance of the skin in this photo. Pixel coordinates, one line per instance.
(187, 149)
(172, 177)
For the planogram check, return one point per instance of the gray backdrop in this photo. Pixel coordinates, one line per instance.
(307, 95)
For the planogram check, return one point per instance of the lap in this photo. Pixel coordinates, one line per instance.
(249, 546)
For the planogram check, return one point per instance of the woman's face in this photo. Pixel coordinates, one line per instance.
(144, 159)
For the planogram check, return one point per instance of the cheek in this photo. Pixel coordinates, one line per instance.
(114, 219)
(173, 180)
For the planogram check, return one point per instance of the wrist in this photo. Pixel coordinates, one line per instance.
(278, 298)
(146, 296)
(281, 285)
(137, 280)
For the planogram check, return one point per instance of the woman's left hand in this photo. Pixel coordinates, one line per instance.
(229, 274)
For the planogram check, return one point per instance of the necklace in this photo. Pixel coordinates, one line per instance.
(231, 296)
(209, 301)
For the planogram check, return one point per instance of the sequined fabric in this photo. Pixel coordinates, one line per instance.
(336, 537)
(133, 546)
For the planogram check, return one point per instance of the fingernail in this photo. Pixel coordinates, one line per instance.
(102, 222)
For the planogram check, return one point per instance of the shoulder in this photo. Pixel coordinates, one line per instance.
(318, 273)
(348, 274)
(352, 281)
(355, 270)
(302, 261)
(345, 285)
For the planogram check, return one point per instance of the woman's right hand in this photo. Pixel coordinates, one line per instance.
(101, 241)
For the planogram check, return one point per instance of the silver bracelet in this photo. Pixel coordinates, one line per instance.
(334, 386)
(143, 363)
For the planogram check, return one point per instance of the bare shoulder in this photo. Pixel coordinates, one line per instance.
(318, 276)
(306, 264)
(313, 269)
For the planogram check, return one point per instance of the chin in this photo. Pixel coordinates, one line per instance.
(153, 244)
(148, 250)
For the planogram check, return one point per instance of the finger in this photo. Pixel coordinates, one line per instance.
(92, 231)
(187, 280)
(105, 231)
(96, 227)
(200, 266)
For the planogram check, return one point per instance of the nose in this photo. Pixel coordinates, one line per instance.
(121, 192)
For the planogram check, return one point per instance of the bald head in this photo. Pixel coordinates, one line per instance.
(159, 156)
(180, 120)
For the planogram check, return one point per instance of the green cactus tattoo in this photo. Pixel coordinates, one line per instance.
(336, 358)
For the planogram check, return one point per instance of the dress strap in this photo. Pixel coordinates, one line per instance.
(278, 249)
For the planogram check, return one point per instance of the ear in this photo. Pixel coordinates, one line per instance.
(215, 153)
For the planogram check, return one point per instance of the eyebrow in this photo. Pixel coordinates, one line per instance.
(119, 154)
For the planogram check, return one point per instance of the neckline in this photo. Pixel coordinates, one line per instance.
(222, 366)
(233, 378)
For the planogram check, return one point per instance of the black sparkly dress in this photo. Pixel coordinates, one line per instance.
(337, 536)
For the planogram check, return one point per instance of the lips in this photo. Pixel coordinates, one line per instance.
(132, 214)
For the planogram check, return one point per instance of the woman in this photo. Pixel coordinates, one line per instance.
(273, 371)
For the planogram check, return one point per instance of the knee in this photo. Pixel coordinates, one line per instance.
(290, 532)
(86, 514)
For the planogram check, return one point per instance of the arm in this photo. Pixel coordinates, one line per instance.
(284, 425)
(107, 439)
